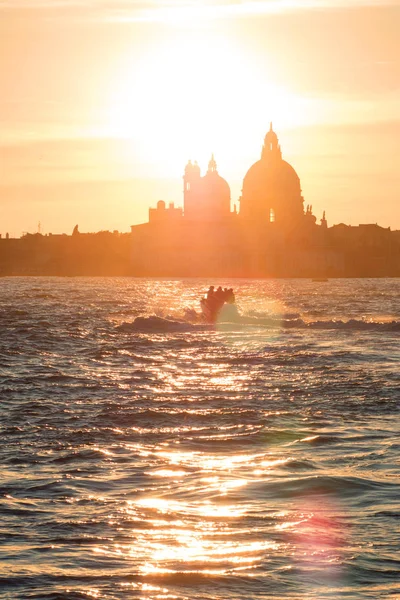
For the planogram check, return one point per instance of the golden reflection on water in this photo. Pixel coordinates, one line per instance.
(310, 438)
(191, 552)
(204, 509)
(189, 536)
(199, 534)
(93, 593)
(151, 591)
(270, 464)
(217, 378)
(182, 544)
(207, 462)
(168, 473)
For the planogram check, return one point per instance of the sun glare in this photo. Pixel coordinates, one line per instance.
(195, 93)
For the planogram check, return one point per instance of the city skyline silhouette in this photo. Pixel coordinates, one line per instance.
(271, 233)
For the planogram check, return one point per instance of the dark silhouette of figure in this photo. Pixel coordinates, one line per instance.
(210, 292)
(214, 301)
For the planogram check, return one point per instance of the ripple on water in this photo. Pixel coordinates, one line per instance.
(146, 455)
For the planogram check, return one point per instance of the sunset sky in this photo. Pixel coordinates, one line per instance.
(103, 102)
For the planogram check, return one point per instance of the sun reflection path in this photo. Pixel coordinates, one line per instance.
(206, 505)
(190, 537)
(207, 533)
(209, 526)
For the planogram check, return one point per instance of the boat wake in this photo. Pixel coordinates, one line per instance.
(156, 324)
(191, 321)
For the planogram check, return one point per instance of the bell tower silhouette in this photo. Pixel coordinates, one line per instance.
(212, 165)
(271, 149)
(191, 179)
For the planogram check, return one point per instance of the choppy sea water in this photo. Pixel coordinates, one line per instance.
(166, 459)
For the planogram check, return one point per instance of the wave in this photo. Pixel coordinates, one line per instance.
(319, 440)
(356, 324)
(343, 487)
(156, 324)
(350, 324)
(56, 595)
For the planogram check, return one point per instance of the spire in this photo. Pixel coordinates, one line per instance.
(212, 165)
(271, 148)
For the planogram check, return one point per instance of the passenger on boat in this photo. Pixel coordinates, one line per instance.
(214, 301)
(210, 292)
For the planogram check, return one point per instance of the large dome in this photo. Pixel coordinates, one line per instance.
(271, 187)
(263, 172)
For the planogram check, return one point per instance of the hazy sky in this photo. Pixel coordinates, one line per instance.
(103, 102)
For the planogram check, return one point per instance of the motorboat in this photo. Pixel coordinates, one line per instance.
(218, 305)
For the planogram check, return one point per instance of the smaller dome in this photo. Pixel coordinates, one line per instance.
(161, 205)
(213, 183)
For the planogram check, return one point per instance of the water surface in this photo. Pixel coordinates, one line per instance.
(167, 459)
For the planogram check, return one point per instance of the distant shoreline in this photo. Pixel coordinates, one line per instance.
(187, 277)
(341, 252)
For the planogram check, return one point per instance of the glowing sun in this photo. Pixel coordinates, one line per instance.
(194, 93)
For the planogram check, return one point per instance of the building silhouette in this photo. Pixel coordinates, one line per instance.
(272, 235)
(205, 198)
(207, 238)
(271, 188)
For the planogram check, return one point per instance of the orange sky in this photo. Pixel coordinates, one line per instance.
(103, 102)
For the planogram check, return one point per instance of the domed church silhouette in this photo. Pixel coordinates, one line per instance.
(271, 188)
(271, 194)
(205, 197)
(206, 236)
